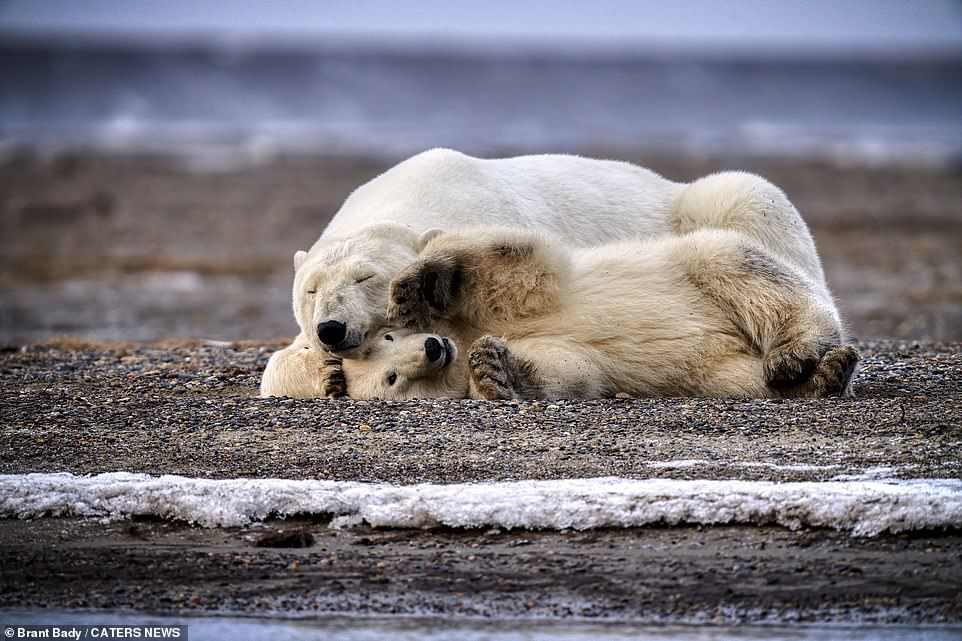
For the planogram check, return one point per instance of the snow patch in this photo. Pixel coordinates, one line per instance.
(864, 508)
(795, 467)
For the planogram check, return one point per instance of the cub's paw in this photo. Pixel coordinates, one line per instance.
(425, 290)
(833, 375)
(492, 369)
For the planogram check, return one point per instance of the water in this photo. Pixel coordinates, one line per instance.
(215, 102)
(344, 628)
(148, 306)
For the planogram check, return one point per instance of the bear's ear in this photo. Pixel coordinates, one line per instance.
(427, 237)
(299, 258)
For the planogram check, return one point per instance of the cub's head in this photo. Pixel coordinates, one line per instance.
(403, 363)
(341, 285)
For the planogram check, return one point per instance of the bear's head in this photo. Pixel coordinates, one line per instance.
(403, 363)
(341, 285)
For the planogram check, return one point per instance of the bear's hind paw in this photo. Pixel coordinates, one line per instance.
(792, 364)
(833, 376)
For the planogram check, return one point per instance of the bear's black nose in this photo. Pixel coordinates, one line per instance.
(433, 349)
(331, 332)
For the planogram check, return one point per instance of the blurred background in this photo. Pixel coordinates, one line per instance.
(161, 162)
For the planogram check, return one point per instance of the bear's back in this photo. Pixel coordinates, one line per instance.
(585, 201)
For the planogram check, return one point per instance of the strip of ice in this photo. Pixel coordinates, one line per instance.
(775, 467)
(864, 508)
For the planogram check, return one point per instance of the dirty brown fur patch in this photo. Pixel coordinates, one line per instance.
(759, 264)
(514, 251)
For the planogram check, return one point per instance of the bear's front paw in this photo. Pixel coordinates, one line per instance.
(495, 373)
(333, 383)
(423, 291)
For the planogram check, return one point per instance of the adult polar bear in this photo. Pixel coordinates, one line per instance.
(341, 284)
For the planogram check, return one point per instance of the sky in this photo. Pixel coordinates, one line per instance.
(793, 24)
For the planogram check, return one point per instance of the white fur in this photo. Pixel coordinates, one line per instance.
(297, 371)
(707, 313)
(586, 202)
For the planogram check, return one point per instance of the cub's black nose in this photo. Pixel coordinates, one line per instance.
(331, 332)
(433, 349)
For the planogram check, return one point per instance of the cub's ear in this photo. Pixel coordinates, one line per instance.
(299, 258)
(427, 237)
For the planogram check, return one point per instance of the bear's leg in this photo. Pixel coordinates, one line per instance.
(778, 309)
(300, 371)
(488, 280)
(752, 206)
(547, 367)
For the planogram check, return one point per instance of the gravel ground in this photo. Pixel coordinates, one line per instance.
(189, 408)
(82, 408)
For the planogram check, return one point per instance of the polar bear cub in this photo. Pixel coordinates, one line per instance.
(398, 364)
(341, 283)
(709, 313)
